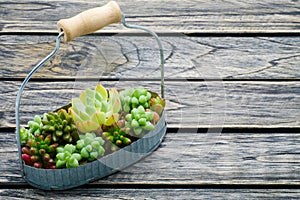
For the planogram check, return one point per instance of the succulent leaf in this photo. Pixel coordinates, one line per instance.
(101, 91)
(157, 104)
(114, 100)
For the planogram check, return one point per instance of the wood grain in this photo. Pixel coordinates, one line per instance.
(202, 104)
(181, 16)
(174, 194)
(191, 159)
(130, 56)
(232, 89)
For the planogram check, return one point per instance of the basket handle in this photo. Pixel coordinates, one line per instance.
(89, 21)
(94, 19)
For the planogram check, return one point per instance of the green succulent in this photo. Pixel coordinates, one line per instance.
(95, 108)
(35, 126)
(117, 136)
(135, 97)
(60, 125)
(25, 135)
(140, 121)
(67, 156)
(88, 148)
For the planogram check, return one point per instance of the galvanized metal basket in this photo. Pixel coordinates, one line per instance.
(60, 179)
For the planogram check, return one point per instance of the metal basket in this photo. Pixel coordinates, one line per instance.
(66, 178)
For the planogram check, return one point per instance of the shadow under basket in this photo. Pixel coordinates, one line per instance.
(66, 178)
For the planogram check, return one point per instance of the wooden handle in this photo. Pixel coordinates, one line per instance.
(89, 21)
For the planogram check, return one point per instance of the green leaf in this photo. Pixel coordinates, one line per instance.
(60, 149)
(149, 115)
(100, 140)
(77, 156)
(128, 117)
(60, 163)
(87, 97)
(88, 140)
(134, 123)
(142, 121)
(73, 162)
(83, 115)
(60, 156)
(94, 155)
(102, 91)
(114, 100)
(80, 144)
(137, 131)
(149, 126)
(100, 117)
(70, 148)
(101, 151)
(37, 119)
(90, 110)
(67, 155)
(89, 148)
(95, 145)
(134, 100)
(84, 153)
(142, 99)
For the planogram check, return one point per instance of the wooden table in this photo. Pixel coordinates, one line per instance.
(232, 89)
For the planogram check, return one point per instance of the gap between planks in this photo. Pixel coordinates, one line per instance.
(142, 185)
(189, 33)
(68, 79)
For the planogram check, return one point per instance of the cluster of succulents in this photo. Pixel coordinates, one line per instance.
(133, 98)
(67, 157)
(90, 146)
(59, 125)
(38, 151)
(95, 124)
(141, 120)
(87, 148)
(118, 137)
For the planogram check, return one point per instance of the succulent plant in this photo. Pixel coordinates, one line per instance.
(60, 125)
(133, 98)
(88, 148)
(39, 152)
(157, 104)
(67, 156)
(35, 126)
(117, 136)
(95, 108)
(140, 121)
(25, 135)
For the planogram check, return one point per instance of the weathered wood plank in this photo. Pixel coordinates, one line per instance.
(182, 16)
(190, 158)
(120, 194)
(201, 104)
(131, 56)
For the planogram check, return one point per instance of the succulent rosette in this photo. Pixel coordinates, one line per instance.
(95, 108)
